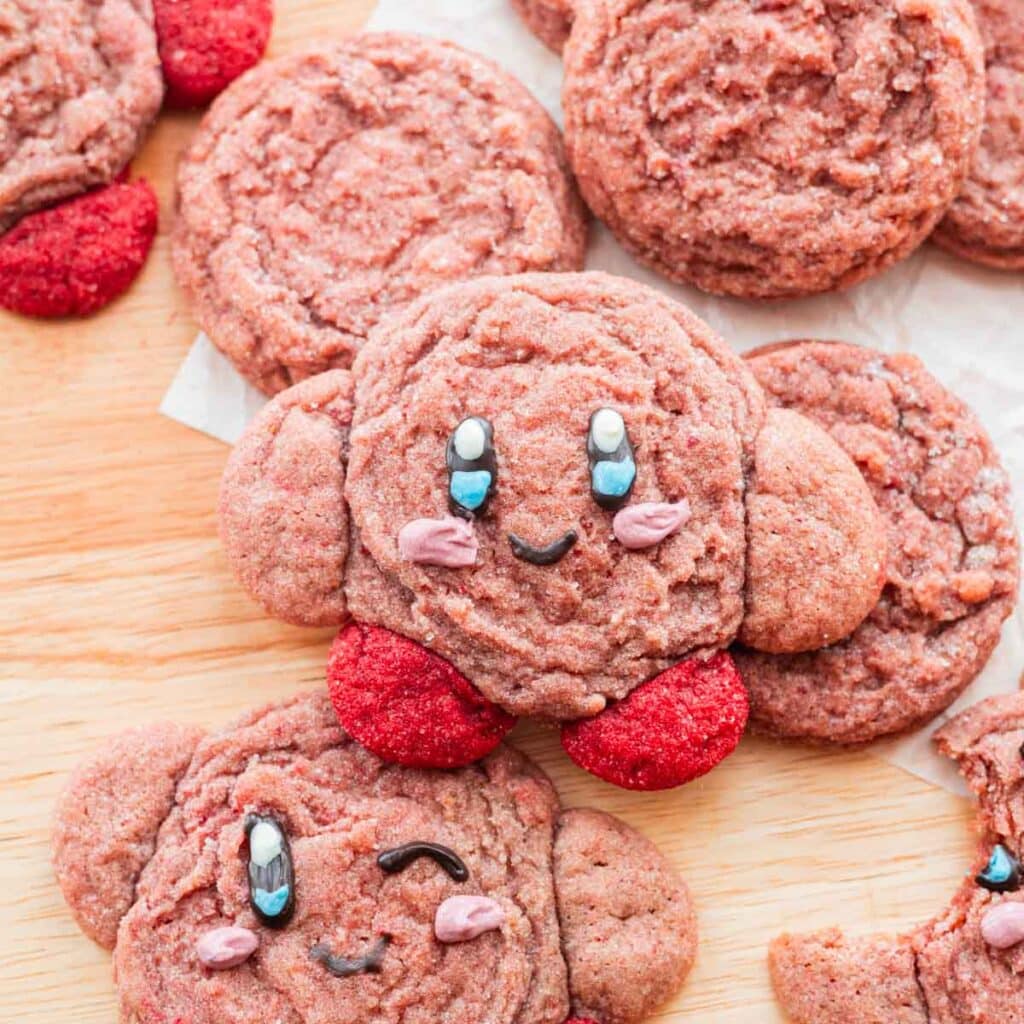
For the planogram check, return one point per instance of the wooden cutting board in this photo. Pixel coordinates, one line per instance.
(117, 608)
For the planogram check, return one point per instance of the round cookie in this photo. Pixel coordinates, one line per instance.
(964, 967)
(537, 356)
(986, 223)
(549, 20)
(277, 871)
(81, 83)
(328, 189)
(952, 569)
(772, 150)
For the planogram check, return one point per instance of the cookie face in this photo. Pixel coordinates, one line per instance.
(965, 966)
(549, 20)
(563, 485)
(296, 877)
(328, 189)
(81, 83)
(952, 564)
(986, 223)
(601, 401)
(768, 150)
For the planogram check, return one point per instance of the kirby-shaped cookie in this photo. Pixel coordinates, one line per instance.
(554, 495)
(279, 873)
(967, 965)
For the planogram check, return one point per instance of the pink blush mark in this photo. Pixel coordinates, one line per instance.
(462, 918)
(643, 526)
(1003, 925)
(224, 948)
(449, 542)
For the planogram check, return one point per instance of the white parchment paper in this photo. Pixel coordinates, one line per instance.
(967, 324)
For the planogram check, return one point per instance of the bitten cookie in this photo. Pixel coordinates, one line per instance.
(326, 190)
(564, 486)
(772, 149)
(81, 83)
(277, 871)
(965, 967)
(951, 576)
(986, 223)
(549, 20)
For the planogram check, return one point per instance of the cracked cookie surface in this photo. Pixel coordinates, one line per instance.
(952, 570)
(944, 972)
(986, 223)
(772, 149)
(326, 190)
(80, 82)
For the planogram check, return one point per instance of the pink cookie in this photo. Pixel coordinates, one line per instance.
(772, 149)
(549, 20)
(962, 968)
(540, 410)
(278, 872)
(986, 223)
(952, 566)
(80, 81)
(328, 189)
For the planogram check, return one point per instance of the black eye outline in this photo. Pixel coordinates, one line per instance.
(613, 463)
(270, 878)
(400, 857)
(465, 499)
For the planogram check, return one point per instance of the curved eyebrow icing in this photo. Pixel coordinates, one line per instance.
(398, 859)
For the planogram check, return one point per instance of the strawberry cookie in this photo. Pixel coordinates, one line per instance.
(557, 495)
(952, 565)
(965, 967)
(771, 149)
(986, 223)
(328, 189)
(279, 872)
(549, 20)
(81, 81)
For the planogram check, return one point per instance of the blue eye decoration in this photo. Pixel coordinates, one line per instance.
(1002, 873)
(271, 872)
(612, 460)
(472, 467)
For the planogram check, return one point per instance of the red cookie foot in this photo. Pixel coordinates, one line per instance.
(671, 730)
(408, 705)
(74, 258)
(206, 44)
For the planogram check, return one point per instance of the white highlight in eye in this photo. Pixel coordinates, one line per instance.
(470, 440)
(607, 429)
(264, 844)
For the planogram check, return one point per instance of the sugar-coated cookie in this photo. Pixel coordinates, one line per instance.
(76, 257)
(772, 149)
(549, 20)
(986, 223)
(952, 567)
(964, 967)
(80, 82)
(277, 871)
(564, 485)
(327, 189)
(206, 44)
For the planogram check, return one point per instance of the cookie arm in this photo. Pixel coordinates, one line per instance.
(815, 540)
(284, 521)
(107, 822)
(629, 931)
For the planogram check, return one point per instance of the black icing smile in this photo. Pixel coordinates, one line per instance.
(342, 967)
(553, 552)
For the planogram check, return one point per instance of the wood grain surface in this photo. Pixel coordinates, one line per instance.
(117, 608)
